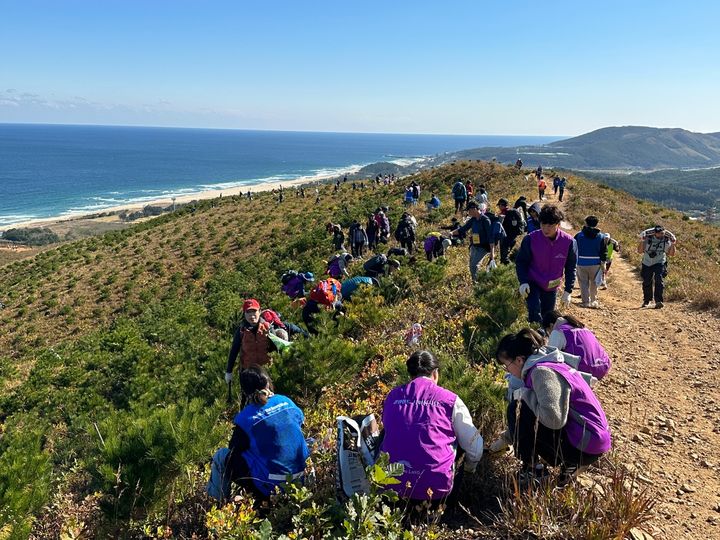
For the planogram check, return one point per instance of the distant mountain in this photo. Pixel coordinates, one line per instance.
(628, 147)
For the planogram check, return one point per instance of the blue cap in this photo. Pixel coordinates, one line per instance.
(308, 276)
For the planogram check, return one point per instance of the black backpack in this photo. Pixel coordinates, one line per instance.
(513, 223)
(404, 231)
(287, 276)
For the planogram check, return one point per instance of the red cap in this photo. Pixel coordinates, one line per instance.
(251, 303)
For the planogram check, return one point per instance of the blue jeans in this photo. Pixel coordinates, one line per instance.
(477, 254)
(539, 301)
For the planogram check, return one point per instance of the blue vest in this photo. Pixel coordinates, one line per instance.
(588, 249)
(277, 445)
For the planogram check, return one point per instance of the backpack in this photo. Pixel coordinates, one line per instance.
(272, 317)
(515, 223)
(287, 276)
(326, 292)
(218, 487)
(358, 235)
(404, 231)
(429, 243)
(416, 192)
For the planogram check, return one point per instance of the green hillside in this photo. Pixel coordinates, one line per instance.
(113, 351)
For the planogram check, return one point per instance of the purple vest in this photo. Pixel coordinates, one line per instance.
(548, 259)
(419, 434)
(295, 287)
(587, 428)
(583, 343)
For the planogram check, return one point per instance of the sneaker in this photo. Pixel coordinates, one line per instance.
(658, 305)
(645, 304)
(594, 304)
(584, 304)
(603, 286)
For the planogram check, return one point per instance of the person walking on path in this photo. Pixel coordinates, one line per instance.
(542, 185)
(544, 256)
(514, 225)
(613, 246)
(561, 187)
(591, 255)
(480, 238)
(533, 220)
(655, 245)
(459, 192)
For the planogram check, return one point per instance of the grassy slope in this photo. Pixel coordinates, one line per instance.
(113, 348)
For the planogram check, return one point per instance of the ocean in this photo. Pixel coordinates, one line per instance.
(62, 170)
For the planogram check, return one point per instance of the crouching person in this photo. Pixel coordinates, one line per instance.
(554, 414)
(267, 445)
(424, 425)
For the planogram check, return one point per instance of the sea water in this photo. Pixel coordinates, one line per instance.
(60, 170)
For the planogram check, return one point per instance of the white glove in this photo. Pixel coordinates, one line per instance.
(565, 300)
(518, 394)
(228, 377)
(499, 445)
(469, 466)
(492, 265)
(524, 290)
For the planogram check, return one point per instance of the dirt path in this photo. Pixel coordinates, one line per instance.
(662, 400)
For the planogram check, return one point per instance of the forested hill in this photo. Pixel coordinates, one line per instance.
(627, 147)
(113, 350)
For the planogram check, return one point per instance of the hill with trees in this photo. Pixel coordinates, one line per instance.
(113, 351)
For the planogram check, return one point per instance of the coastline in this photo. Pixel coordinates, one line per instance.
(113, 211)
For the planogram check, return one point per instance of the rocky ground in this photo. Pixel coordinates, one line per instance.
(663, 401)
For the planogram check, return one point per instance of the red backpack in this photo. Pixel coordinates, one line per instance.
(271, 317)
(326, 292)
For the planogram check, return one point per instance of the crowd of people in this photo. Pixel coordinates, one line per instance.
(554, 418)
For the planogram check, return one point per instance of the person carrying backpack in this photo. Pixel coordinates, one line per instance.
(326, 294)
(556, 184)
(514, 226)
(358, 239)
(553, 413)
(533, 219)
(591, 247)
(655, 245)
(349, 286)
(380, 265)
(569, 335)
(383, 226)
(415, 192)
(293, 283)
(405, 232)
(435, 245)
(544, 256)
(480, 241)
(459, 192)
(561, 187)
(337, 265)
(542, 185)
(250, 342)
(267, 444)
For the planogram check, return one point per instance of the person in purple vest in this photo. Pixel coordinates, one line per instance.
(554, 414)
(570, 335)
(424, 424)
(544, 256)
(267, 445)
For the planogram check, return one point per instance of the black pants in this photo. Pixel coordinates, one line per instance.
(407, 244)
(459, 205)
(532, 439)
(437, 251)
(562, 190)
(358, 250)
(655, 273)
(506, 245)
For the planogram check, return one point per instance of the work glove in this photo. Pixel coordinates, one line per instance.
(524, 290)
(469, 466)
(492, 265)
(228, 377)
(565, 300)
(499, 445)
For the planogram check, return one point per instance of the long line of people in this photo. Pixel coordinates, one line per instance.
(552, 410)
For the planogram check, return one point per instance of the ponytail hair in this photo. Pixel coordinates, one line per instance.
(256, 385)
(422, 364)
(551, 317)
(525, 343)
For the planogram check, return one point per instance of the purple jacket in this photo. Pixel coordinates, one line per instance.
(295, 288)
(583, 343)
(420, 435)
(543, 261)
(587, 427)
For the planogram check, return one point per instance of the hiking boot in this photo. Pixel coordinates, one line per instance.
(659, 305)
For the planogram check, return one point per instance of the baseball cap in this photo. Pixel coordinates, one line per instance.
(251, 303)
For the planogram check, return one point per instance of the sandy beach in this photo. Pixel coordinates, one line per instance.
(67, 221)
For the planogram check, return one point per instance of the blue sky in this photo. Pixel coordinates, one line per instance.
(492, 67)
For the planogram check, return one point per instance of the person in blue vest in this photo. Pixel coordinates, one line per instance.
(267, 446)
(544, 256)
(591, 255)
(553, 412)
(533, 219)
(480, 237)
(349, 286)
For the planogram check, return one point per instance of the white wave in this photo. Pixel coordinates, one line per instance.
(546, 153)
(9, 219)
